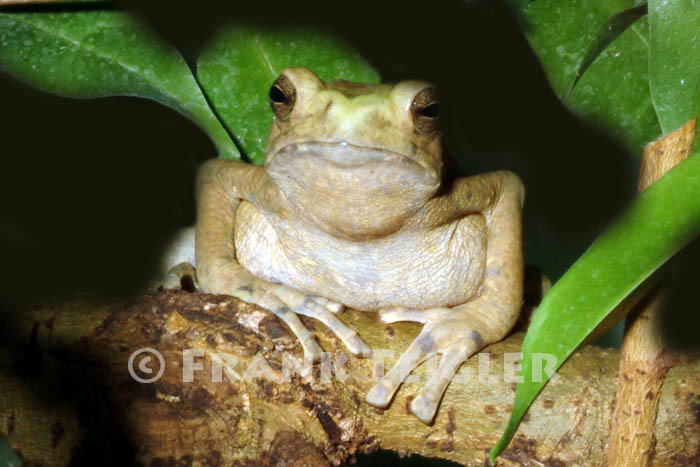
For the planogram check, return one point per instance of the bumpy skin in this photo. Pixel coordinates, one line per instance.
(350, 209)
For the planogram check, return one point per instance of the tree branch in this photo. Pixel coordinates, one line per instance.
(67, 394)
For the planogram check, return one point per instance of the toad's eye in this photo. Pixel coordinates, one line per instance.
(283, 96)
(425, 110)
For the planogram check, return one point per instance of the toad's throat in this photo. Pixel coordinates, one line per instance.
(351, 191)
(347, 155)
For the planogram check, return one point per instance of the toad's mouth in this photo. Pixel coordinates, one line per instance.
(346, 155)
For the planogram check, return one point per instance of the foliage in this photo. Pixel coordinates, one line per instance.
(652, 61)
(611, 82)
(103, 53)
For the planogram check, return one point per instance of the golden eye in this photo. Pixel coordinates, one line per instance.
(283, 96)
(425, 110)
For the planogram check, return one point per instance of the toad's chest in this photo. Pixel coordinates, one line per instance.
(441, 266)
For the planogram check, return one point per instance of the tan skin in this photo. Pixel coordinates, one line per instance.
(350, 208)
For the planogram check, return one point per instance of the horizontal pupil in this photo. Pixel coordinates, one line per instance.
(431, 110)
(277, 96)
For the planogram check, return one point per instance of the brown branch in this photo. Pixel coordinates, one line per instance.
(644, 360)
(70, 398)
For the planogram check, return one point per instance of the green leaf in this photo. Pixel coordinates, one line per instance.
(573, 43)
(674, 62)
(240, 63)
(658, 223)
(101, 53)
(7, 456)
(608, 33)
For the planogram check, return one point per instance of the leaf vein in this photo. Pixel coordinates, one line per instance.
(109, 58)
(264, 55)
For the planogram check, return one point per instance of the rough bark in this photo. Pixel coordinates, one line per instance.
(67, 395)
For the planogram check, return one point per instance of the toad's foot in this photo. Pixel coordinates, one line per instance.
(180, 277)
(455, 334)
(286, 303)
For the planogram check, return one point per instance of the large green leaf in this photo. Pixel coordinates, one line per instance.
(613, 91)
(658, 224)
(240, 63)
(101, 53)
(674, 63)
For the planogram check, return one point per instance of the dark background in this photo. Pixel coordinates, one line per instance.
(92, 189)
